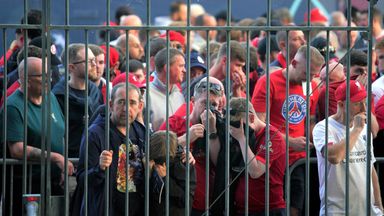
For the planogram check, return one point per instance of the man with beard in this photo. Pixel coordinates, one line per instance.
(77, 95)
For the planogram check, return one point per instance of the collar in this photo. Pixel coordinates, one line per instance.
(161, 86)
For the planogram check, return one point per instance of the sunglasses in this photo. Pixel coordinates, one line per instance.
(212, 86)
(332, 50)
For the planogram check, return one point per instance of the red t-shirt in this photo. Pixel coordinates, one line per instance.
(297, 106)
(256, 195)
(178, 125)
(332, 100)
(379, 110)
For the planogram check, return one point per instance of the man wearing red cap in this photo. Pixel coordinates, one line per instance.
(336, 147)
(176, 40)
(316, 17)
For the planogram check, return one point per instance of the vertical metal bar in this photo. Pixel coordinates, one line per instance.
(147, 112)
(369, 119)
(207, 147)
(326, 129)
(4, 122)
(228, 91)
(11, 191)
(287, 173)
(86, 123)
(347, 108)
(267, 128)
(167, 126)
(30, 178)
(308, 115)
(127, 141)
(107, 126)
(246, 174)
(188, 80)
(46, 99)
(66, 112)
(25, 98)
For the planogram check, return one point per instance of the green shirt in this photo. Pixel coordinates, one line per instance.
(15, 122)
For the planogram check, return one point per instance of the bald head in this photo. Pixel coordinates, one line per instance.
(34, 65)
(136, 51)
(336, 72)
(131, 20)
(338, 18)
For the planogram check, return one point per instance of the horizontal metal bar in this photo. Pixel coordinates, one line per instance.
(314, 160)
(192, 28)
(10, 161)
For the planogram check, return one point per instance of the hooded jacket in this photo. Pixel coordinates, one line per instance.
(96, 176)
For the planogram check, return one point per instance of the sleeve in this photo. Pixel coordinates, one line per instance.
(15, 129)
(94, 150)
(259, 95)
(319, 137)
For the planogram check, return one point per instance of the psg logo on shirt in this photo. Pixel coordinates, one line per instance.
(296, 109)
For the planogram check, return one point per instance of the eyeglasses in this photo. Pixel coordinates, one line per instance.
(35, 75)
(90, 61)
(332, 50)
(216, 88)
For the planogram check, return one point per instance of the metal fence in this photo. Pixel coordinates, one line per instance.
(45, 164)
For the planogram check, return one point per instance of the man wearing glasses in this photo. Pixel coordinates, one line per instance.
(15, 132)
(77, 95)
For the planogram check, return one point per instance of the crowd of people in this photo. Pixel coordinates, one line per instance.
(115, 114)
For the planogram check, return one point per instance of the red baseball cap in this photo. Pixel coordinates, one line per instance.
(316, 16)
(113, 55)
(174, 36)
(131, 79)
(357, 91)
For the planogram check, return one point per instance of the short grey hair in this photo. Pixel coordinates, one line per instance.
(124, 85)
(161, 58)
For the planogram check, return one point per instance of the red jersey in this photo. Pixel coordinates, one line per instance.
(379, 110)
(296, 106)
(178, 125)
(256, 195)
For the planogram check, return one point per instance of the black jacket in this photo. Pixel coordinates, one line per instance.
(96, 176)
(177, 182)
(76, 111)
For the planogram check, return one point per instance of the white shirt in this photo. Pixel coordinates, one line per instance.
(336, 173)
(378, 89)
(158, 103)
